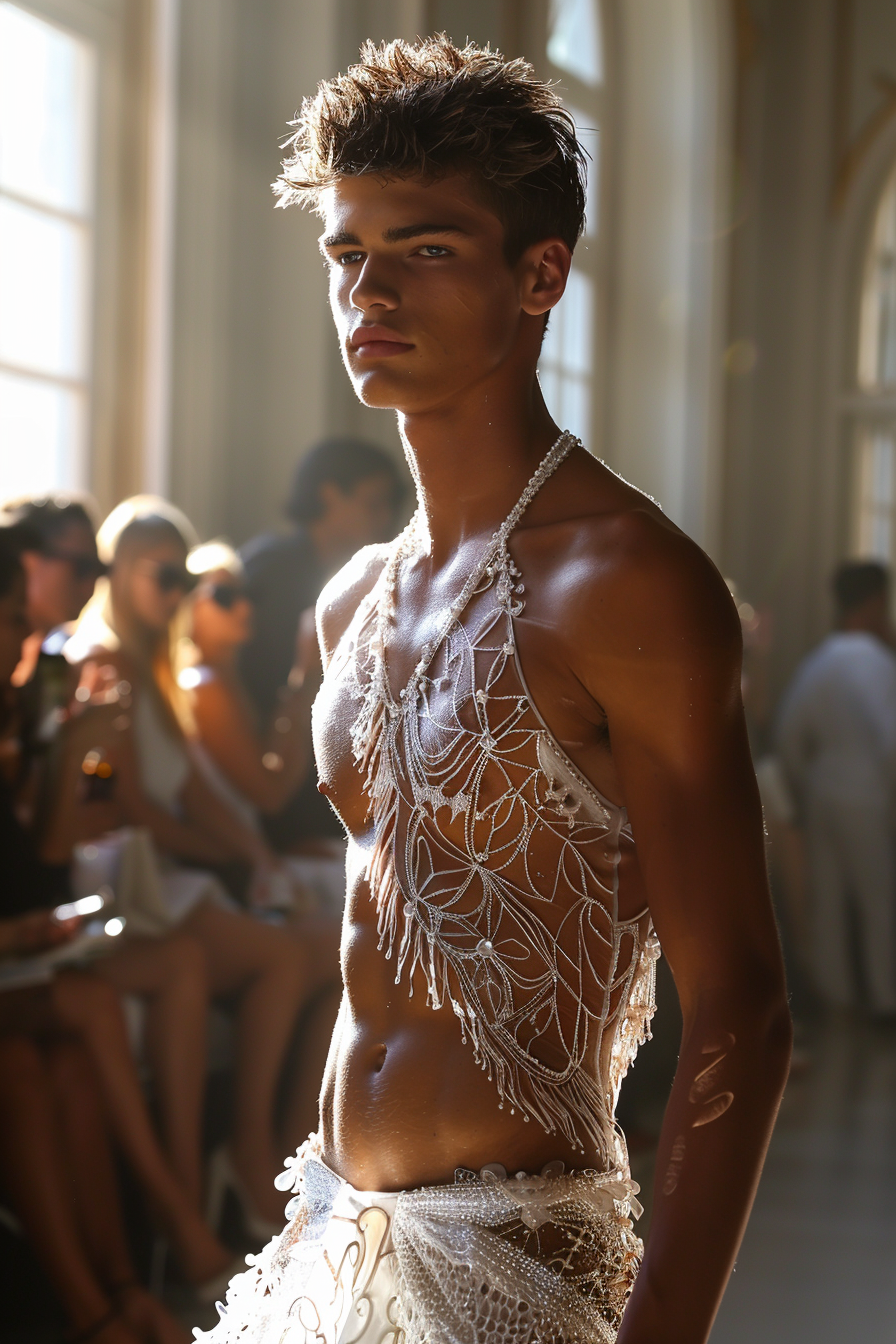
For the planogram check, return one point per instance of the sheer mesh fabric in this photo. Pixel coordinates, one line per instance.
(495, 866)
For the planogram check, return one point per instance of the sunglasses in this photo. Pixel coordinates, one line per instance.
(83, 567)
(225, 595)
(169, 577)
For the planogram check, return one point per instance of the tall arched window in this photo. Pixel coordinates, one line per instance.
(875, 422)
(574, 57)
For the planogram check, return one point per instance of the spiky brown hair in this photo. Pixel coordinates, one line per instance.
(429, 108)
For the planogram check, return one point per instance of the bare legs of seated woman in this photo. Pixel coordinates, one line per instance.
(273, 978)
(318, 940)
(57, 1170)
(88, 1009)
(171, 975)
(276, 979)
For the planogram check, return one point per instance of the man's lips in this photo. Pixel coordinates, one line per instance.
(376, 342)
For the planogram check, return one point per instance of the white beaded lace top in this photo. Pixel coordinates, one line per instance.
(495, 868)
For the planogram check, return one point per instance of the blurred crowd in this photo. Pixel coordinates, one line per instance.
(172, 879)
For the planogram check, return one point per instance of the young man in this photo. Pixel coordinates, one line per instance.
(531, 727)
(344, 496)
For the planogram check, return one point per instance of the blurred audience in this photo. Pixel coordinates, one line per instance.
(126, 634)
(61, 567)
(68, 1082)
(345, 495)
(837, 741)
(256, 772)
(262, 769)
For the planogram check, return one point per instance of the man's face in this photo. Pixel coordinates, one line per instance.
(62, 578)
(425, 304)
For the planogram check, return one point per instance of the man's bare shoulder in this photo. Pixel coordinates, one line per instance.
(342, 595)
(625, 580)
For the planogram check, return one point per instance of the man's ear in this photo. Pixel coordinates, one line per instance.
(543, 270)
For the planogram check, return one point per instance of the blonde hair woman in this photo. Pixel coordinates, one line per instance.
(125, 637)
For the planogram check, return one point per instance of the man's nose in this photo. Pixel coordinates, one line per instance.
(374, 287)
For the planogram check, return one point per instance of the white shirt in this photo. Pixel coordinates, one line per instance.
(837, 728)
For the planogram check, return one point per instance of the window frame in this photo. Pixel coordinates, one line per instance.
(866, 409)
(85, 221)
(590, 256)
(110, 461)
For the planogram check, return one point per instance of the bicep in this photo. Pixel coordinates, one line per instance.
(697, 823)
(679, 743)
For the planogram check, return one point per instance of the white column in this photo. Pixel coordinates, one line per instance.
(161, 174)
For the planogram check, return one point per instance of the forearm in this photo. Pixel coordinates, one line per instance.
(227, 833)
(180, 838)
(727, 1090)
(291, 745)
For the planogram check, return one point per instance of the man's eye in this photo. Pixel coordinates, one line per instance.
(348, 258)
(433, 250)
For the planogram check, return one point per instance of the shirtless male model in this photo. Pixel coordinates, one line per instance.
(530, 725)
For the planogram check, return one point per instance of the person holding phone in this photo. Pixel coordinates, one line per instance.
(63, 786)
(66, 1039)
(125, 635)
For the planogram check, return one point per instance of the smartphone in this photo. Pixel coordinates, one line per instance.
(85, 905)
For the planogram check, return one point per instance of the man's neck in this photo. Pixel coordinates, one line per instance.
(470, 461)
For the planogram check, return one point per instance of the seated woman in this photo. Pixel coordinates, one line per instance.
(67, 1078)
(57, 1167)
(125, 635)
(258, 771)
(61, 567)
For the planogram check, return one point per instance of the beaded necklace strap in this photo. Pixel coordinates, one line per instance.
(556, 454)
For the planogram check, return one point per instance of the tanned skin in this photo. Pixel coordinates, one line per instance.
(631, 649)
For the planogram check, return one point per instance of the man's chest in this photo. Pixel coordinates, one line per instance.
(466, 723)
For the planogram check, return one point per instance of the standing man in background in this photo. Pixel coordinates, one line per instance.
(838, 745)
(345, 495)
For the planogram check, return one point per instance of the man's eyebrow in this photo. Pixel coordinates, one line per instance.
(415, 231)
(339, 239)
(398, 235)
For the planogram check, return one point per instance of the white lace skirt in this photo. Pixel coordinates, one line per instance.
(491, 1259)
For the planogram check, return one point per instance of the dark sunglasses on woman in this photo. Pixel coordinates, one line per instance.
(225, 595)
(168, 577)
(83, 566)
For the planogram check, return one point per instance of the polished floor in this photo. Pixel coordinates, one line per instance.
(818, 1263)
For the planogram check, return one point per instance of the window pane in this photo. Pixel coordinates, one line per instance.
(46, 111)
(568, 341)
(877, 492)
(877, 338)
(574, 39)
(42, 279)
(41, 429)
(576, 408)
